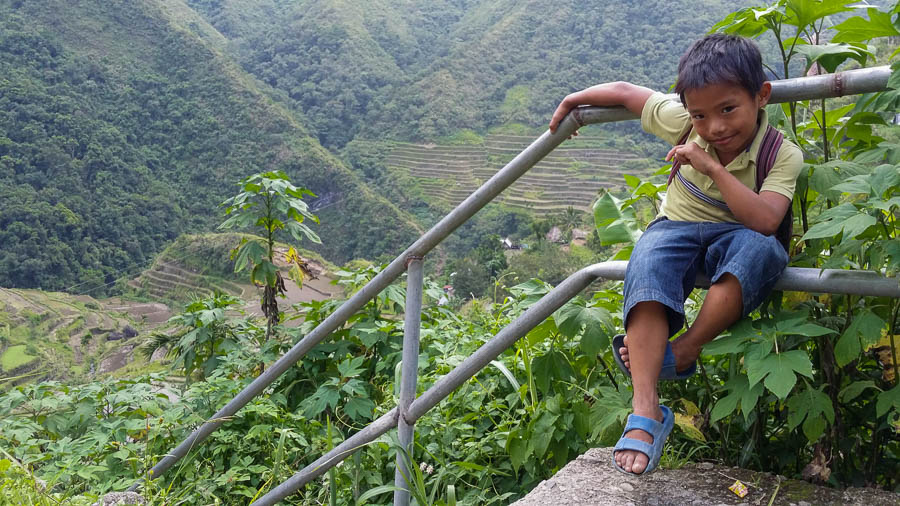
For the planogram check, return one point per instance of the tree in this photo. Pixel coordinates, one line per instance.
(270, 201)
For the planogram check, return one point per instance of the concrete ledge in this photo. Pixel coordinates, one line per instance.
(591, 480)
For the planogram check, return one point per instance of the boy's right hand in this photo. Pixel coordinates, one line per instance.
(561, 110)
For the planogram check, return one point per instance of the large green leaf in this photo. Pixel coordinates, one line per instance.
(866, 326)
(779, 370)
(813, 408)
(802, 13)
(517, 447)
(844, 218)
(542, 433)
(548, 367)
(888, 400)
(574, 316)
(614, 225)
(830, 56)
(857, 28)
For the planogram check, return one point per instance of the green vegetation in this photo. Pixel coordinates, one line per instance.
(269, 201)
(426, 69)
(111, 145)
(15, 357)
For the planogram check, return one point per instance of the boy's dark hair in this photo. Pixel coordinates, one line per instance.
(720, 58)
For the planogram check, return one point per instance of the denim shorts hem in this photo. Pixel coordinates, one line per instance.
(674, 315)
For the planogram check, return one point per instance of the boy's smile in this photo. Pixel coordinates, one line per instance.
(725, 115)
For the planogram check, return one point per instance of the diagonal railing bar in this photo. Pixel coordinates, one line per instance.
(829, 85)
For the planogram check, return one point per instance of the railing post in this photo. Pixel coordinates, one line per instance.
(408, 375)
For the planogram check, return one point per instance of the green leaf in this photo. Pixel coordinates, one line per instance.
(517, 447)
(843, 218)
(830, 56)
(542, 433)
(574, 316)
(852, 391)
(359, 408)
(594, 343)
(779, 370)
(884, 179)
(615, 226)
(725, 406)
(857, 28)
(867, 326)
(887, 401)
(551, 366)
(803, 13)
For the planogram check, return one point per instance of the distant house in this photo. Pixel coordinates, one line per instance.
(555, 235)
(579, 237)
(508, 244)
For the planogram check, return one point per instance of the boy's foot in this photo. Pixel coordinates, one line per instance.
(685, 355)
(639, 449)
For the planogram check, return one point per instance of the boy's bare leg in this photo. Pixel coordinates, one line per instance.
(648, 328)
(721, 308)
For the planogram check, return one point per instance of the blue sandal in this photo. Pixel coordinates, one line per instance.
(667, 372)
(659, 430)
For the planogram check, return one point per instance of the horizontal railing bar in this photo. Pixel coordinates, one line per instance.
(793, 279)
(848, 82)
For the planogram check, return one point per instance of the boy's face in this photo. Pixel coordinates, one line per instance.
(725, 116)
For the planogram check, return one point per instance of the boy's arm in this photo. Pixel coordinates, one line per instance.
(761, 211)
(631, 96)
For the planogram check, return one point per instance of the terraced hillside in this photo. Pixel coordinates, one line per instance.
(53, 335)
(570, 176)
(197, 265)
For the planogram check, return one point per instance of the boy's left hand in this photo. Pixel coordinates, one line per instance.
(695, 156)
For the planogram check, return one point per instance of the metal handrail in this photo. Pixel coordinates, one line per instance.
(823, 86)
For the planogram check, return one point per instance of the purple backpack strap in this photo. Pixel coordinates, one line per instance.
(765, 160)
(676, 165)
(768, 151)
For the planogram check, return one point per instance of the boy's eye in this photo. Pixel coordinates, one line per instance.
(728, 108)
(697, 116)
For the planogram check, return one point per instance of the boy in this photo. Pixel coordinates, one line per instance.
(711, 220)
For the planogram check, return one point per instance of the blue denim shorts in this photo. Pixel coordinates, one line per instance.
(666, 259)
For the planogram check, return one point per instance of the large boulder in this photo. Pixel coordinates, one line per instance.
(592, 480)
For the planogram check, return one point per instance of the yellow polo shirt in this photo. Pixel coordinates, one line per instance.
(668, 120)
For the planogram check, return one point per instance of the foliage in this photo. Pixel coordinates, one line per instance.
(111, 148)
(203, 335)
(269, 201)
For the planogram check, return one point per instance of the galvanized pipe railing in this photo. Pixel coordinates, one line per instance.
(830, 85)
(794, 279)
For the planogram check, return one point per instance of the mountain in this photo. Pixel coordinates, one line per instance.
(124, 124)
(422, 69)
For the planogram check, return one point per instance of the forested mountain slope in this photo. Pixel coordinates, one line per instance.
(123, 124)
(417, 69)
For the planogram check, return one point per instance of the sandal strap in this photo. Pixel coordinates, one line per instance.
(643, 423)
(626, 443)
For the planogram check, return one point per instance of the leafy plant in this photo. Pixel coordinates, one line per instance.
(269, 201)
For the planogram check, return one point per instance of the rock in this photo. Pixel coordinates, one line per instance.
(116, 498)
(129, 332)
(592, 480)
(115, 336)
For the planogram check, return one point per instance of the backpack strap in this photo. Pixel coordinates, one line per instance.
(765, 160)
(676, 165)
(768, 151)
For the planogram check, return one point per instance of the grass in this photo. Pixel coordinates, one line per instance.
(14, 357)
